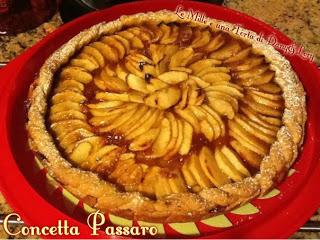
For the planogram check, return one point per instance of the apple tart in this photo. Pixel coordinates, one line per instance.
(156, 118)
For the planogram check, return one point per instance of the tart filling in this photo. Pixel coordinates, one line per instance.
(156, 118)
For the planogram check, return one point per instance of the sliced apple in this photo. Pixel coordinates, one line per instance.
(270, 88)
(263, 109)
(138, 115)
(235, 161)
(228, 88)
(253, 73)
(111, 112)
(184, 97)
(121, 72)
(145, 140)
(68, 96)
(127, 173)
(100, 121)
(109, 53)
(157, 52)
(269, 96)
(64, 106)
(188, 116)
(95, 158)
(114, 43)
(162, 187)
(210, 168)
(173, 77)
(133, 67)
(179, 140)
(176, 183)
(227, 51)
(203, 64)
(141, 121)
(156, 84)
(81, 152)
(252, 158)
(120, 121)
(187, 175)
(253, 130)
(214, 124)
(205, 71)
(216, 117)
(62, 128)
(74, 136)
(109, 69)
(106, 163)
(106, 104)
(224, 164)
(212, 95)
(265, 101)
(251, 114)
(149, 123)
(135, 42)
(67, 115)
(199, 81)
(174, 131)
(137, 83)
(239, 56)
(170, 34)
(250, 141)
(205, 127)
(197, 172)
(249, 63)
(258, 79)
(137, 57)
(84, 63)
(223, 107)
(86, 57)
(123, 41)
(95, 54)
(215, 43)
(181, 58)
(160, 144)
(216, 77)
(112, 98)
(109, 83)
(142, 33)
(192, 93)
(187, 138)
(181, 69)
(202, 39)
(168, 97)
(272, 120)
(69, 85)
(169, 50)
(148, 184)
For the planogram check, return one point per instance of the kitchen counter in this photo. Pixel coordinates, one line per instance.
(12, 46)
(298, 19)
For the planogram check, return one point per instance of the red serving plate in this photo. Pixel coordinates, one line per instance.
(279, 216)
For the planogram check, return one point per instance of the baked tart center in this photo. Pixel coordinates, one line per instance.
(167, 108)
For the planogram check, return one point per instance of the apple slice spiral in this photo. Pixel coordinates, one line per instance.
(134, 106)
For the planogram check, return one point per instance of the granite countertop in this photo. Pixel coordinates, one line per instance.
(299, 19)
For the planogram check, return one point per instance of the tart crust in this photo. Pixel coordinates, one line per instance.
(179, 207)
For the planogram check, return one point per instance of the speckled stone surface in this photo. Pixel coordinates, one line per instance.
(299, 19)
(12, 46)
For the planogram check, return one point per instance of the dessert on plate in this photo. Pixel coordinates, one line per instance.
(156, 118)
